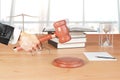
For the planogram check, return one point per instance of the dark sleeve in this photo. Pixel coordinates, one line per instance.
(6, 32)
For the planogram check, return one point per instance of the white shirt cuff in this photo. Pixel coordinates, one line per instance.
(14, 38)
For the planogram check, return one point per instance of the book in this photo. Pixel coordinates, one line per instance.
(66, 45)
(78, 39)
(70, 44)
(77, 34)
(73, 40)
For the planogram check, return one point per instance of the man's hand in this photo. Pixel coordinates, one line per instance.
(29, 42)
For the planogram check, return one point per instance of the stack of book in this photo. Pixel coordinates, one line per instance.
(78, 40)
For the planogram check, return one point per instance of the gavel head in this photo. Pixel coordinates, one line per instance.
(62, 31)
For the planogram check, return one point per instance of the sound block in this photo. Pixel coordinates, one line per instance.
(68, 62)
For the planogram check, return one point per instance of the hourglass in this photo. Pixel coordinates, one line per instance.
(106, 35)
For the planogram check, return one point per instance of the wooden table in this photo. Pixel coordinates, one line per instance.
(23, 66)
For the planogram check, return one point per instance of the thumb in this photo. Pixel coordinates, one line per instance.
(18, 48)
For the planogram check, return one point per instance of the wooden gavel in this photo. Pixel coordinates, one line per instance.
(61, 32)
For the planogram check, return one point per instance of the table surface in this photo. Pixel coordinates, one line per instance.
(24, 66)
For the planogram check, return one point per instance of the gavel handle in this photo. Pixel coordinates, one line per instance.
(47, 37)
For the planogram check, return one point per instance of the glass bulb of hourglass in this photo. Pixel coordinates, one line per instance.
(106, 29)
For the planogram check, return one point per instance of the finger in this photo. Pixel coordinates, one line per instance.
(34, 47)
(18, 48)
(40, 46)
(37, 46)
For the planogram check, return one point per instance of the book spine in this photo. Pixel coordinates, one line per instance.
(52, 43)
(50, 32)
(66, 45)
(77, 45)
(74, 40)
